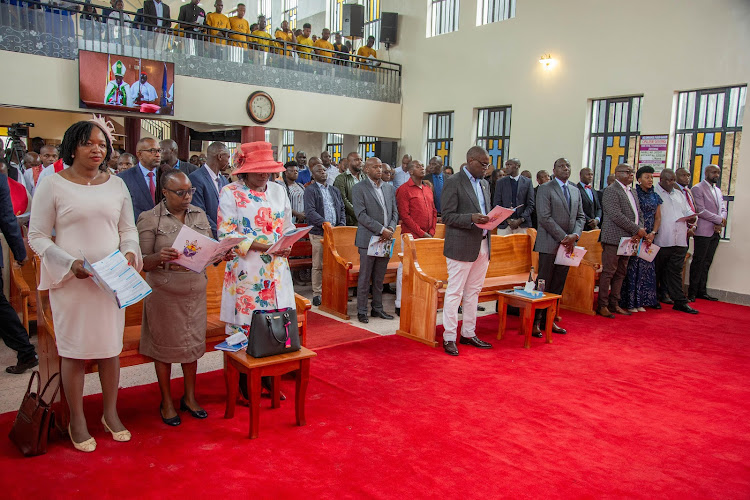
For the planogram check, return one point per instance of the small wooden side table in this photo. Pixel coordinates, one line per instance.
(528, 308)
(297, 362)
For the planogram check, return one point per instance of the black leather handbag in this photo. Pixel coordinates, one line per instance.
(273, 332)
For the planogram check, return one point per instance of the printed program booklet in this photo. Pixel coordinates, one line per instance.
(114, 275)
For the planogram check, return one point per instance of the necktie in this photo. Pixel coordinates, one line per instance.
(689, 200)
(218, 184)
(567, 194)
(152, 186)
(587, 186)
(513, 191)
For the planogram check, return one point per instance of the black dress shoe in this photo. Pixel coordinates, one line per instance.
(475, 342)
(450, 347)
(657, 306)
(172, 422)
(538, 335)
(193, 413)
(265, 383)
(380, 314)
(362, 318)
(557, 329)
(22, 366)
(398, 311)
(684, 308)
(316, 300)
(536, 331)
(387, 289)
(666, 300)
(706, 296)
(480, 308)
(691, 298)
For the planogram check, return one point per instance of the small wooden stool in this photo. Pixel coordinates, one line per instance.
(297, 362)
(528, 307)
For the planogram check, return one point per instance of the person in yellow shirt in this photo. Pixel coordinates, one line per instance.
(284, 34)
(218, 20)
(323, 43)
(306, 45)
(261, 32)
(240, 24)
(368, 52)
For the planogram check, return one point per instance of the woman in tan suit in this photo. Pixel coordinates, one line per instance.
(173, 329)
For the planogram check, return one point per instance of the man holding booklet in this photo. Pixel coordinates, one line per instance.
(561, 220)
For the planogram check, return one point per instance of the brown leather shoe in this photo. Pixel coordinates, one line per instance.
(603, 311)
(620, 310)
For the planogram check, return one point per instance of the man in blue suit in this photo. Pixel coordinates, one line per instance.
(169, 158)
(437, 178)
(11, 330)
(142, 179)
(514, 190)
(208, 181)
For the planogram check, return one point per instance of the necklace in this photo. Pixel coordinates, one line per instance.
(87, 179)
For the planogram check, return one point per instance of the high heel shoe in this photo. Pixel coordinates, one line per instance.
(195, 414)
(120, 436)
(86, 446)
(172, 422)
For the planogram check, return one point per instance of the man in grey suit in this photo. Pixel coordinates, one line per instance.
(622, 218)
(375, 207)
(514, 190)
(561, 219)
(465, 203)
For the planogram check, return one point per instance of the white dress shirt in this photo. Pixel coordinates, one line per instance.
(381, 199)
(148, 92)
(214, 177)
(631, 198)
(672, 233)
(48, 170)
(332, 172)
(400, 177)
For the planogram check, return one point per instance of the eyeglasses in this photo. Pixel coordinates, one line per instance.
(153, 151)
(485, 165)
(182, 192)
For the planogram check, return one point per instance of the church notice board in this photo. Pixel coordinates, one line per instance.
(652, 151)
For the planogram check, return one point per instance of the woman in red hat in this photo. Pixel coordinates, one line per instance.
(260, 212)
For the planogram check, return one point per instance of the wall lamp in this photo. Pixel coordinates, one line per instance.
(547, 61)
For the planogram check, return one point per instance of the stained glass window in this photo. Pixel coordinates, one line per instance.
(613, 135)
(492, 11)
(366, 147)
(335, 15)
(287, 146)
(442, 17)
(264, 9)
(493, 133)
(335, 147)
(440, 136)
(289, 12)
(708, 132)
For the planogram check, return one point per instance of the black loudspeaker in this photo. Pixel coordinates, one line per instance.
(353, 24)
(387, 151)
(389, 28)
(196, 145)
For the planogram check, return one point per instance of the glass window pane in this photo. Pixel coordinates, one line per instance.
(702, 105)
(690, 119)
(711, 111)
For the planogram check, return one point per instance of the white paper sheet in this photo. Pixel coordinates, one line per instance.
(198, 251)
(497, 215)
(122, 282)
(378, 248)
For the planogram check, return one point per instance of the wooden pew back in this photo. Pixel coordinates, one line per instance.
(590, 241)
(343, 242)
(511, 254)
(430, 258)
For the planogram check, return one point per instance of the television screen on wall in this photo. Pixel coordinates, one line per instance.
(125, 84)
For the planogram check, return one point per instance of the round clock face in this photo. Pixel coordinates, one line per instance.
(260, 107)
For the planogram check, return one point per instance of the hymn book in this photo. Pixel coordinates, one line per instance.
(288, 239)
(497, 215)
(197, 251)
(118, 279)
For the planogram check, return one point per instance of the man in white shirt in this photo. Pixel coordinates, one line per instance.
(331, 170)
(403, 173)
(142, 92)
(672, 238)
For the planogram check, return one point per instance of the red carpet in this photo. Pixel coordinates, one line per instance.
(652, 406)
(326, 332)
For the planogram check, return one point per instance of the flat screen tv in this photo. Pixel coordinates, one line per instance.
(125, 84)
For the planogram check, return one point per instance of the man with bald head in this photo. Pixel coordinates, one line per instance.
(436, 178)
(590, 198)
(47, 156)
(142, 179)
(331, 170)
(304, 176)
(712, 219)
(672, 238)
(346, 181)
(401, 174)
(465, 202)
(169, 157)
(208, 181)
(514, 190)
(375, 207)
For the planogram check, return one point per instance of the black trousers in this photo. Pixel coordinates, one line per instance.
(614, 270)
(370, 268)
(704, 248)
(669, 262)
(12, 331)
(554, 277)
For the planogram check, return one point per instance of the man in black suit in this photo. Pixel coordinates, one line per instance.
(592, 207)
(156, 8)
(542, 177)
(465, 203)
(169, 157)
(191, 13)
(514, 190)
(437, 178)
(11, 330)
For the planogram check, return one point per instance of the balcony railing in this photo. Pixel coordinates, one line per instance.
(59, 31)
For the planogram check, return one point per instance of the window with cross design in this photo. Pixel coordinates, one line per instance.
(708, 132)
(493, 133)
(287, 146)
(264, 9)
(615, 125)
(289, 12)
(335, 146)
(366, 147)
(440, 136)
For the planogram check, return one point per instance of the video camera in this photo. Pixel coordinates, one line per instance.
(20, 129)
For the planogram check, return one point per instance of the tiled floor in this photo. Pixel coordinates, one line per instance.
(13, 387)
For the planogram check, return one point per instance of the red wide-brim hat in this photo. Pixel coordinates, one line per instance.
(256, 158)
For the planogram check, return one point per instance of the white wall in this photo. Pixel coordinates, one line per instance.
(604, 49)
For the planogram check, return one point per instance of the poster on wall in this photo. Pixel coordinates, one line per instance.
(126, 84)
(653, 151)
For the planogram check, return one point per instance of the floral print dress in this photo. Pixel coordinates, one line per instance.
(254, 280)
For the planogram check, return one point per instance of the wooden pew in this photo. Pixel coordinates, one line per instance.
(341, 267)
(301, 255)
(49, 360)
(23, 288)
(425, 278)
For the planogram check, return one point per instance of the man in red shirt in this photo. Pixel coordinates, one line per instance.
(416, 207)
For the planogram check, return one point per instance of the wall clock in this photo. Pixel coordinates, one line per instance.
(260, 107)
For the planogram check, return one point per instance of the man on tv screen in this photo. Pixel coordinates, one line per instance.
(117, 90)
(142, 92)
